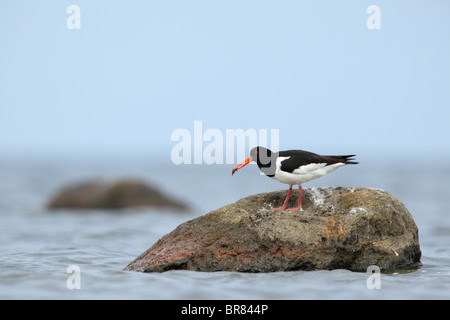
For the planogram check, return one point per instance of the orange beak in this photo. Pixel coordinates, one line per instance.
(242, 164)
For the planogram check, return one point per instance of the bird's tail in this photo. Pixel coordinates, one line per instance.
(346, 159)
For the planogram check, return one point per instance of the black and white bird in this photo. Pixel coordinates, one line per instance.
(294, 167)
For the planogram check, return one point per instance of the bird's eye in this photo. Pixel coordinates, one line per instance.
(257, 152)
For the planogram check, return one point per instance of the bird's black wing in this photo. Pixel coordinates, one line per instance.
(298, 158)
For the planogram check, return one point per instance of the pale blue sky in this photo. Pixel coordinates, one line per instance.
(138, 70)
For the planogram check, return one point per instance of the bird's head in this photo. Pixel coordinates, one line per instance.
(259, 154)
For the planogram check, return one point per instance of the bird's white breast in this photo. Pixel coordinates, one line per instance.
(304, 173)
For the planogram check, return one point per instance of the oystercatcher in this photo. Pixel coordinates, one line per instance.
(294, 167)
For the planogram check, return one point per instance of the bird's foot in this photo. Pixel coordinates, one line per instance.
(290, 209)
(295, 209)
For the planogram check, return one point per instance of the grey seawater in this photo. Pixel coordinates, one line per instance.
(37, 246)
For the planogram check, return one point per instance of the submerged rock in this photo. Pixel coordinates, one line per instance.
(340, 228)
(111, 195)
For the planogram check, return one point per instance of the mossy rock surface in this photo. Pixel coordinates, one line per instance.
(339, 228)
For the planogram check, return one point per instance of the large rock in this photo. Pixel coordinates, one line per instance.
(111, 195)
(340, 228)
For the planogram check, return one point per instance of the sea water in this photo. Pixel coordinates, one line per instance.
(80, 254)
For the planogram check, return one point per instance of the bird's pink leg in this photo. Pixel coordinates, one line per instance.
(299, 207)
(285, 201)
